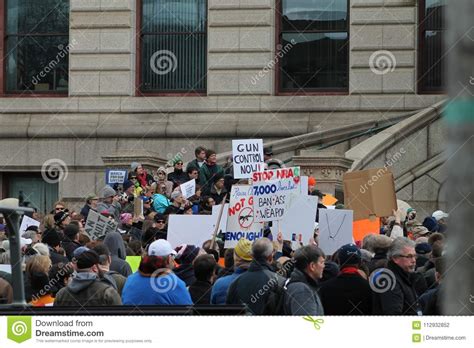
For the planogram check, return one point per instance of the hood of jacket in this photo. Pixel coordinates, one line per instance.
(114, 241)
(82, 281)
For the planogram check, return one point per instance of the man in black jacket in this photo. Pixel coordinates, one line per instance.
(349, 293)
(254, 286)
(394, 291)
(53, 240)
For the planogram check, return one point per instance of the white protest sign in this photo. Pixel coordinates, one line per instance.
(272, 190)
(190, 229)
(215, 214)
(240, 220)
(27, 222)
(188, 189)
(115, 176)
(98, 225)
(335, 229)
(298, 223)
(247, 157)
(304, 185)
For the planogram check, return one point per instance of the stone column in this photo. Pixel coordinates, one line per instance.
(241, 36)
(327, 167)
(102, 54)
(383, 32)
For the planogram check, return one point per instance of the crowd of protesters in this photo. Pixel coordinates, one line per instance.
(397, 272)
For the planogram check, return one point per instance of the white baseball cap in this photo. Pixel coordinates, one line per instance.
(439, 214)
(161, 247)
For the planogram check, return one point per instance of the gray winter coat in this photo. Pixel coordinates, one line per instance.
(301, 295)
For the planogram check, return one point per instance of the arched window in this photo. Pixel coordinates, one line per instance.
(431, 46)
(173, 46)
(35, 46)
(313, 45)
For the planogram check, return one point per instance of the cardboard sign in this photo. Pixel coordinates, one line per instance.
(188, 189)
(115, 176)
(304, 185)
(272, 190)
(98, 225)
(137, 207)
(240, 217)
(370, 192)
(215, 215)
(247, 157)
(361, 228)
(298, 224)
(335, 229)
(27, 222)
(190, 229)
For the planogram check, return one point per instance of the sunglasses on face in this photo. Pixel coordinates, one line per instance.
(59, 208)
(160, 222)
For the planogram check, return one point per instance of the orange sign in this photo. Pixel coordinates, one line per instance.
(361, 228)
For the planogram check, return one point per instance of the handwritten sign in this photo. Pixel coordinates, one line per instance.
(115, 176)
(335, 229)
(98, 225)
(188, 189)
(240, 220)
(27, 222)
(271, 192)
(247, 157)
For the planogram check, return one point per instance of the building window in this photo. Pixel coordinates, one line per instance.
(431, 49)
(36, 46)
(313, 45)
(173, 40)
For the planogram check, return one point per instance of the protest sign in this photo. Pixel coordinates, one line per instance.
(240, 217)
(27, 222)
(361, 228)
(138, 207)
(335, 229)
(190, 229)
(304, 185)
(188, 189)
(115, 176)
(272, 190)
(298, 224)
(98, 225)
(370, 192)
(215, 214)
(247, 157)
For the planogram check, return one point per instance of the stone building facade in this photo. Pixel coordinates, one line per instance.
(105, 112)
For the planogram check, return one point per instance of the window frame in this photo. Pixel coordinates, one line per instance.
(421, 43)
(307, 91)
(138, 59)
(3, 80)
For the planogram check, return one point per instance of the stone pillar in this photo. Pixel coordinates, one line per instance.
(241, 37)
(327, 167)
(383, 31)
(102, 54)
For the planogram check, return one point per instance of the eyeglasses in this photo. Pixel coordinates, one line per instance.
(179, 163)
(160, 222)
(407, 256)
(59, 208)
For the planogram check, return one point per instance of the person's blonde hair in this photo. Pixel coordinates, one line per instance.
(38, 264)
(60, 203)
(48, 222)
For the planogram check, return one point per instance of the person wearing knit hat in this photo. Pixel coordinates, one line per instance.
(109, 202)
(350, 286)
(218, 190)
(431, 224)
(185, 257)
(62, 219)
(86, 287)
(311, 184)
(423, 253)
(242, 259)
